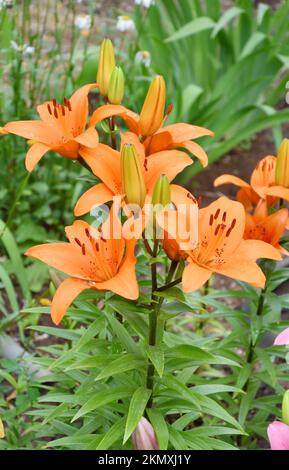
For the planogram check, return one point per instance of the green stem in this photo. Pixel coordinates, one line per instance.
(251, 349)
(112, 132)
(15, 202)
(153, 317)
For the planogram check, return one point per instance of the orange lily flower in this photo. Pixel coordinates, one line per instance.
(92, 262)
(61, 128)
(221, 248)
(269, 228)
(106, 165)
(262, 184)
(178, 135)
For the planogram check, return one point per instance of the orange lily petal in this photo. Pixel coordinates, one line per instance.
(278, 191)
(97, 195)
(34, 130)
(105, 164)
(197, 151)
(227, 212)
(109, 110)
(79, 108)
(34, 154)
(256, 249)
(181, 132)
(168, 162)
(64, 296)
(180, 195)
(89, 138)
(244, 270)
(125, 282)
(171, 136)
(194, 277)
(264, 175)
(104, 112)
(230, 179)
(65, 257)
(131, 138)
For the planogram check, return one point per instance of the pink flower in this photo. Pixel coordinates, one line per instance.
(283, 338)
(144, 437)
(278, 434)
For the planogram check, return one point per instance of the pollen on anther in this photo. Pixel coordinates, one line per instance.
(217, 213)
(233, 223)
(68, 104)
(224, 217)
(217, 229)
(211, 219)
(55, 113)
(77, 241)
(63, 110)
(83, 248)
(54, 102)
(49, 108)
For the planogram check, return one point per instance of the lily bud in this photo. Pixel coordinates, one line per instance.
(133, 184)
(116, 86)
(282, 166)
(144, 438)
(285, 408)
(162, 191)
(152, 113)
(106, 66)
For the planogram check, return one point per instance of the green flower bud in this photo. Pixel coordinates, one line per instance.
(285, 408)
(282, 166)
(116, 86)
(106, 66)
(133, 184)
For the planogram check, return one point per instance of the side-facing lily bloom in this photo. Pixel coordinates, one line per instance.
(92, 262)
(61, 128)
(269, 228)
(262, 184)
(221, 248)
(278, 434)
(282, 338)
(156, 137)
(106, 165)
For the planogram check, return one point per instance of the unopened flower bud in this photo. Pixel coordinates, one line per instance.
(162, 192)
(282, 166)
(116, 86)
(2, 431)
(285, 408)
(144, 437)
(152, 113)
(106, 66)
(133, 184)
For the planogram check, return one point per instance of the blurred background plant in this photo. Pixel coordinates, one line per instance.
(226, 65)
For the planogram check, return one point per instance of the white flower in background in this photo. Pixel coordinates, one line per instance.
(145, 3)
(143, 57)
(25, 49)
(6, 3)
(125, 23)
(83, 22)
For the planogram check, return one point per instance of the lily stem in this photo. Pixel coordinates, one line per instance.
(153, 316)
(112, 132)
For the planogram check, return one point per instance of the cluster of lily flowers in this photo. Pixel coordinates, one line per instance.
(135, 173)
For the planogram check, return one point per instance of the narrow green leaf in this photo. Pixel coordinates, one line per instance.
(156, 355)
(196, 26)
(114, 433)
(136, 410)
(120, 365)
(103, 397)
(160, 427)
